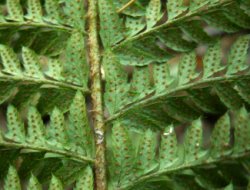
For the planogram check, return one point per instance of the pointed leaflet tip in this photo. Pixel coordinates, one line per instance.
(10, 61)
(57, 129)
(34, 11)
(193, 143)
(36, 129)
(34, 183)
(85, 180)
(80, 132)
(175, 8)
(52, 11)
(15, 125)
(237, 59)
(122, 166)
(55, 184)
(75, 68)
(15, 11)
(153, 13)
(212, 60)
(241, 132)
(12, 180)
(111, 25)
(170, 153)
(220, 138)
(147, 152)
(31, 63)
(187, 68)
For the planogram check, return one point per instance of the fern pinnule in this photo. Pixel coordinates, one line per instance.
(54, 138)
(215, 81)
(176, 157)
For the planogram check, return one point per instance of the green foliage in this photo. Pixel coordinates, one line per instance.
(193, 84)
(84, 180)
(177, 157)
(75, 140)
(150, 98)
(176, 95)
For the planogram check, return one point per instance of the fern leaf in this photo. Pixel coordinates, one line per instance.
(55, 184)
(206, 101)
(7, 88)
(57, 129)
(31, 63)
(131, 8)
(162, 77)
(220, 138)
(15, 125)
(194, 30)
(122, 170)
(55, 69)
(75, 10)
(196, 4)
(192, 78)
(172, 38)
(141, 82)
(238, 55)
(187, 68)
(10, 61)
(178, 109)
(234, 101)
(170, 153)
(134, 25)
(175, 8)
(36, 129)
(79, 131)
(34, 183)
(212, 60)
(111, 30)
(75, 66)
(237, 16)
(146, 152)
(190, 19)
(220, 21)
(116, 82)
(153, 12)
(242, 88)
(52, 11)
(141, 54)
(12, 180)
(242, 129)
(194, 150)
(85, 180)
(192, 165)
(34, 11)
(15, 12)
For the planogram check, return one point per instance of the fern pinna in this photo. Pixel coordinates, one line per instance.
(124, 94)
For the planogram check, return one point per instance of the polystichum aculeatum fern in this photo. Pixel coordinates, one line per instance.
(124, 94)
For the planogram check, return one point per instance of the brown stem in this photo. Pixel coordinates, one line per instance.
(96, 95)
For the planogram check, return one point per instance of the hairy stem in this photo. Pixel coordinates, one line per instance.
(96, 95)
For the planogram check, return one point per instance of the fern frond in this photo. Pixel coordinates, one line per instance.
(74, 140)
(54, 14)
(188, 93)
(83, 180)
(30, 78)
(172, 35)
(176, 158)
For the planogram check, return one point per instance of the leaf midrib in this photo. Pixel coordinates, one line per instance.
(145, 102)
(171, 23)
